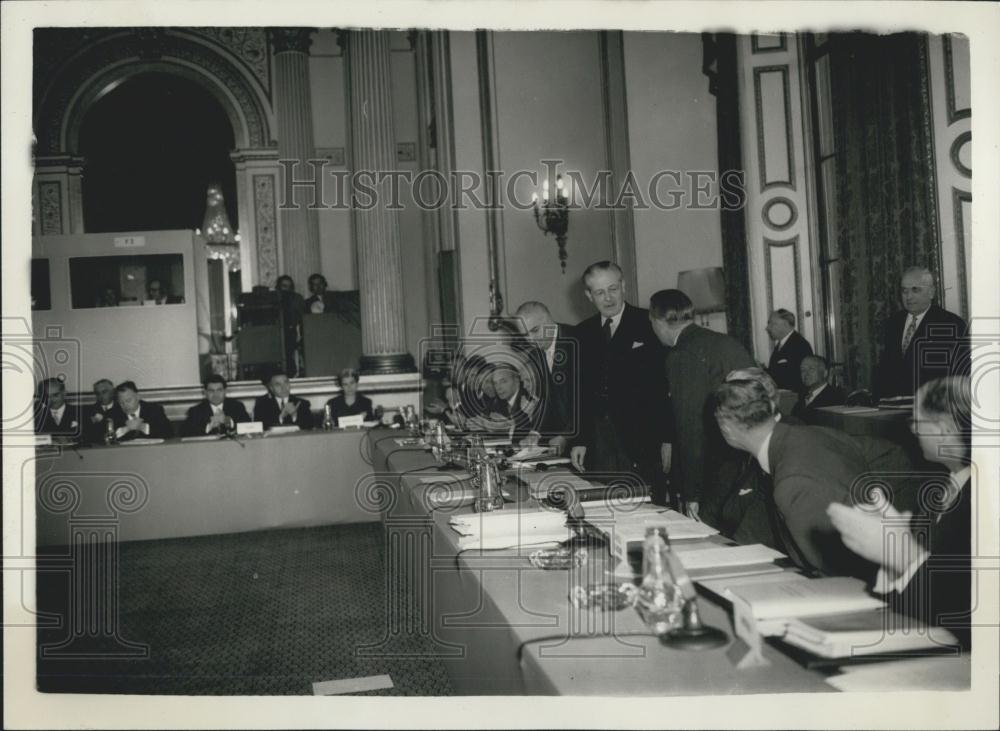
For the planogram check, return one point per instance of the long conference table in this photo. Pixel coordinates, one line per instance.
(502, 626)
(194, 487)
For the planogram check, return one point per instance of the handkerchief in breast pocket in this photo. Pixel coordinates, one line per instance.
(636, 344)
(782, 360)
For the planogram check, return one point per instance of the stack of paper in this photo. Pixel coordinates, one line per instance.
(863, 633)
(140, 441)
(507, 529)
(627, 524)
(773, 605)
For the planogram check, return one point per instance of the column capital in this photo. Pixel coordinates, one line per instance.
(286, 40)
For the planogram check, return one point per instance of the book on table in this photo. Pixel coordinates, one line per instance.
(869, 632)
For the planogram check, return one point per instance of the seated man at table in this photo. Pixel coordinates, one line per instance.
(810, 468)
(279, 407)
(138, 419)
(215, 414)
(52, 414)
(350, 402)
(515, 405)
(816, 392)
(96, 415)
(925, 566)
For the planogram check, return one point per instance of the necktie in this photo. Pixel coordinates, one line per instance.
(607, 330)
(910, 330)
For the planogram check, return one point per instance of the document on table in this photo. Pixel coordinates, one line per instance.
(140, 442)
(830, 595)
(509, 529)
(723, 556)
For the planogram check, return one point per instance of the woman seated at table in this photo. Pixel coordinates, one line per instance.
(350, 402)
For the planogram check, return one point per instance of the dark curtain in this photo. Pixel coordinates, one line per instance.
(719, 64)
(885, 181)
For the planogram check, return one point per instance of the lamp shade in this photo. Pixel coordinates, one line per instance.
(705, 287)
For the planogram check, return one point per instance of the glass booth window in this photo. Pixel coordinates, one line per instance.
(41, 292)
(119, 281)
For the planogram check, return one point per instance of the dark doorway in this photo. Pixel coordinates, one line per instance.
(152, 146)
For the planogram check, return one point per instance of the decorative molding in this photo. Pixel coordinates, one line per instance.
(956, 149)
(265, 228)
(618, 155)
(793, 213)
(50, 207)
(773, 244)
(290, 40)
(250, 45)
(120, 55)
(954, 114)
(958, 198)
(758, 72)
(756, 47)
(927, 122)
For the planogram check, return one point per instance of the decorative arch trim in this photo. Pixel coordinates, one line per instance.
(118, 57)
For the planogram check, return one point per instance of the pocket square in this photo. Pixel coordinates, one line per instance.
(782, 360)
(637, 345)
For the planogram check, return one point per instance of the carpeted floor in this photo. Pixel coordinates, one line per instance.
(266, 613)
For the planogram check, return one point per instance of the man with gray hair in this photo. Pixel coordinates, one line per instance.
(553, 355)
(811, 467)
(922, 342)
(789, 350)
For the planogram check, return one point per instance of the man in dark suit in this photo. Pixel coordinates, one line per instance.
(215, 414)
(280, 407)
(53, 415)
(810, 468)
(319, 300)
(517, 408)
(789, 350)
(553, 353)
(816, 392)
(925, 567)
(922, 342)
(138, 419)
(95, 416)
(624, 423)
(698, 360)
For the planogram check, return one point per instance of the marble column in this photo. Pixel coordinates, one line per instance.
(293, 107)
(376, 228)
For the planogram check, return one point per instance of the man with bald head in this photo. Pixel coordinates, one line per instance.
(552, 354)
(921, 343)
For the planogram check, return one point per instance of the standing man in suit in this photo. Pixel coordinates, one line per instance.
(789, 350)
(624, 422)
(137, 419)
(319, 300)
(810, 468)
(279, 407)
(925, 568)
(816, 392)
(53, 415)
(921, 343)
(215, 414)
(698, 360)
(553, 353)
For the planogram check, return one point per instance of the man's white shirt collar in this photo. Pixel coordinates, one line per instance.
(813, 394)
(781, 343)
(762, 457)
(550, 352)
(57, 414)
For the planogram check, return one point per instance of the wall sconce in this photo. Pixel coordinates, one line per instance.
(706, 288)
(552, 216)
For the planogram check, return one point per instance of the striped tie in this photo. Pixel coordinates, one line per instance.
(910, 330)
